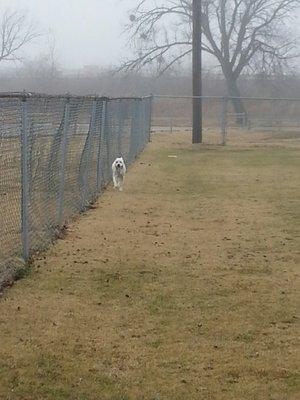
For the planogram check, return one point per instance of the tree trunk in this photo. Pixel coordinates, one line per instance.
(237, 102)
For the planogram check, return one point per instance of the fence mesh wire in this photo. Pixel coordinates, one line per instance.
(231, 120)
(55, 158)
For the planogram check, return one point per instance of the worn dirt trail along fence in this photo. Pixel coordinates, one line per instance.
(55, 157)
(260, 120)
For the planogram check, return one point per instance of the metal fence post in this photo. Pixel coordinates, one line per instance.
(171, 125)
(120, 127)
(62, 169)
(150, 116)
(99, 161)
(144, 124)
(224, 120)
(91, 134)
(24, 180)
(139, 125)
(108, 135)
(133, 130)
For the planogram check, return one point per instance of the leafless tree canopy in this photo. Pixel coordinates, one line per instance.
(15, 32)
(238, 33)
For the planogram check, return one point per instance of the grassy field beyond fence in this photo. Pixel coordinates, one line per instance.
(184, 286)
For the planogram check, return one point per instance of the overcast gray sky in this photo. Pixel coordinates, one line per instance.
(87, 32)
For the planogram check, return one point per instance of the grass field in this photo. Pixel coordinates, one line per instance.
(184, 286)
(44, 192)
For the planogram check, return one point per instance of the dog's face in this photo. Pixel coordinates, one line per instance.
(119, 164)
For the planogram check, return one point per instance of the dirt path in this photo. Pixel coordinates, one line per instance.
(184, 286)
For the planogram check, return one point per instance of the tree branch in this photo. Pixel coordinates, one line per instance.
(15, 33)
(235, 32)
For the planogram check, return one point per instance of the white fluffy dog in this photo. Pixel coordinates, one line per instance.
(118, 171)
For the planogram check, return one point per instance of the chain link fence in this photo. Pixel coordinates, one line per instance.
(231, 120)
(55, 158)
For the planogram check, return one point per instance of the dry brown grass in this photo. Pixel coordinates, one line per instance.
(184, 286)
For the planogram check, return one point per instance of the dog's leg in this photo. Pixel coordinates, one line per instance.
(115, 181)
(121, 184)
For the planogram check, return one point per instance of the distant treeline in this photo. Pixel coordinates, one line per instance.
(106, 82)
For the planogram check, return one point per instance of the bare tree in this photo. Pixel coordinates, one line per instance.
(240, 34)
(41, 74)
(15, 32)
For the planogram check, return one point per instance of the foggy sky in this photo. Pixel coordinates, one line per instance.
(86, 32)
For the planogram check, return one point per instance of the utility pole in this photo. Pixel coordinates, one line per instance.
(197, 71)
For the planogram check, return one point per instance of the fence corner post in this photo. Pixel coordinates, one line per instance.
(24, 180)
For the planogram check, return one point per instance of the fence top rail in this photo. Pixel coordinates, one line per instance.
(25, 95)
(168, 96)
